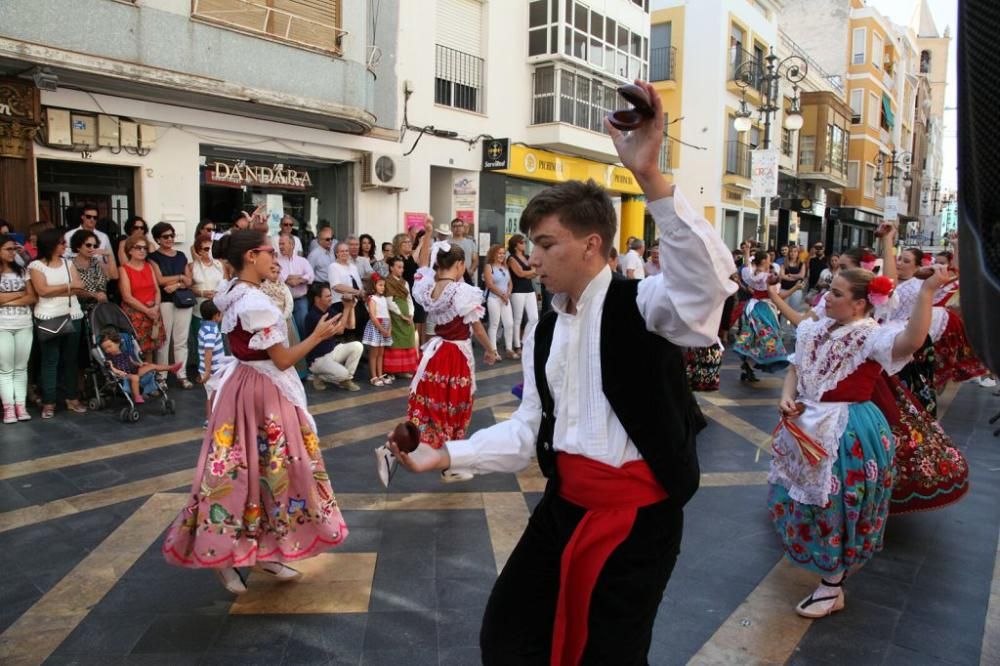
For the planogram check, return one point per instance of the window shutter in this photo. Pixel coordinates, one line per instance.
(460, 25)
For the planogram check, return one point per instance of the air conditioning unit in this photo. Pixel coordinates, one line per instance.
(389, 171)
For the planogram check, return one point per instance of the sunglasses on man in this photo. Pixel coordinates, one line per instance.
(89, 217)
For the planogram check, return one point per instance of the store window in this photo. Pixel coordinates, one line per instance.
(65, 187)
(310, 191)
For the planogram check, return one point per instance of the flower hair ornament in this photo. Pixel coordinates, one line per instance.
(879, 290)
(868, 261)
(438, 246)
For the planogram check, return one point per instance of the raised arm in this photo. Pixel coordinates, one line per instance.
(915, 333)
(791, 314)
(889, 254)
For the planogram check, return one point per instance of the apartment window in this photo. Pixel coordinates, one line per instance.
(858, 43)
(869, 180)
(925, 62)
(309, 23)
(857, 105)
(835, 153)
(664, 161)
(564, 95)
(807, 152)
(588, 36)
(786, 141)
(878, 50)
(874, 111)
(662, 56)
(852, 174)
(459, 69)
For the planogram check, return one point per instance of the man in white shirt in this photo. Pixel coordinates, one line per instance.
(632, 266)
(288, 226)
(652, 266)
(323, 254)
(604, 539)
(88, 221)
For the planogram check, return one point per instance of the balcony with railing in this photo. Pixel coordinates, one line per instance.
(314, 24)
(663, 63)
(738, 156)
(568, 107)
(458, 79)
(739, 70)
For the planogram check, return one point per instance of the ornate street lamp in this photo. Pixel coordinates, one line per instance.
(794, 69)
(899, 160)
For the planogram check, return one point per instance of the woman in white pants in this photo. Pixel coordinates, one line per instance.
(498, 287)
(522, 299)
(175, 275)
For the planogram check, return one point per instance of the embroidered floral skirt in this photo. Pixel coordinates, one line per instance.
(918, 377)
(441, 406)
(149, 334)
(849, 530)
(261, 492)
(703, 367)
(759, 339)
(930, 472)
(954, 358)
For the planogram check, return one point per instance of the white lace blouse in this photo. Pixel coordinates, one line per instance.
(455, 300)
(827, 353)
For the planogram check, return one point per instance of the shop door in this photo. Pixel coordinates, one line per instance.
(64, 188)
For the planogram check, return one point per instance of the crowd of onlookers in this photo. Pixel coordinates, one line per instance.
(52, 278)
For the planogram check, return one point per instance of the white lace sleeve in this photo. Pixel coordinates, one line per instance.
(259, 316)
(878, 346)
(469, 303)
(423, 285)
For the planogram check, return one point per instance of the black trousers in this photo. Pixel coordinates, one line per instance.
(517, 625)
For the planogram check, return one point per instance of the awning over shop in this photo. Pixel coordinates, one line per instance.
(890, 119)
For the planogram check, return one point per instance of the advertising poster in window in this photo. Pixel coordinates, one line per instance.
(515, 206)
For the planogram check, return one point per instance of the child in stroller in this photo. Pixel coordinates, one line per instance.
(107, 318)
(124, 365)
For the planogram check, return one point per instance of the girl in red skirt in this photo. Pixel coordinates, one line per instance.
(440, 403)
(261, 496)
(401, 358)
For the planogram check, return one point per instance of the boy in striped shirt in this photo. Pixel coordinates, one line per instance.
(211, 354)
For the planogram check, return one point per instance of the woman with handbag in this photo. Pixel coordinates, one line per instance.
(176, 299)
(16, 298)
(140, 296)
(57, 322)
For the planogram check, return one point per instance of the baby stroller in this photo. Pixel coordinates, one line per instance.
(105, 384)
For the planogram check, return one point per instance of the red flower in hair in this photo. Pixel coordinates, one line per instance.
(375, 277)
(868, 258)
(879, 289)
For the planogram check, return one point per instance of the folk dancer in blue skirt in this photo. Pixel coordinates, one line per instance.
(832, 472)
(758, 342)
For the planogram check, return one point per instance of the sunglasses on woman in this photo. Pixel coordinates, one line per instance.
(268, 249)
(92, 246)
(139, 247)
(167, 236)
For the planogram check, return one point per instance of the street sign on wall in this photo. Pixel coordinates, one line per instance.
(764, 173)
(891, 209)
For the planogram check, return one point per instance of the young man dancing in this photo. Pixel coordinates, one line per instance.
(584, 582)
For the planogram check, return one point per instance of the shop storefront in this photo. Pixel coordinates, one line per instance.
(513, 174)
(850, 227)
(311, 191)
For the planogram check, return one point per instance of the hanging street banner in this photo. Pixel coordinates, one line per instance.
(764, 173)
(891, 209)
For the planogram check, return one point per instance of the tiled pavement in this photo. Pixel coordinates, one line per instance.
(85, 583)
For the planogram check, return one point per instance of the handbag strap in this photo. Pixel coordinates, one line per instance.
(69, 285)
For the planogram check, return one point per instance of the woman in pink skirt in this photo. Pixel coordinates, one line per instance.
(261, 496)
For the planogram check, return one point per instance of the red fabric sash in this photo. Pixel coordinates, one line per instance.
(456, 329)
(760, 295)
(612, 497)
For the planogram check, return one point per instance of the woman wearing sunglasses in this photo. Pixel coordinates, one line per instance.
(176, 313)
(261, 496)
(141, 297)
(134, 226)
(94, 273)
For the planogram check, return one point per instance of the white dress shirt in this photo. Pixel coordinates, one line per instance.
(341, 275)
(631, 261)
(682, 304)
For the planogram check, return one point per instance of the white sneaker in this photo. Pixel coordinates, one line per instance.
(231, 579)
(385, 464)
(280, 571)
(986, 381)
(448, 476)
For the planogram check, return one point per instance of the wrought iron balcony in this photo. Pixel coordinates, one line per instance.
(662, 63)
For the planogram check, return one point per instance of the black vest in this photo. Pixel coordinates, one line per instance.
(651, 398)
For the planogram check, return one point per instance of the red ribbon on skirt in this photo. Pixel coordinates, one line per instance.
(811, 450)
(612, 497)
